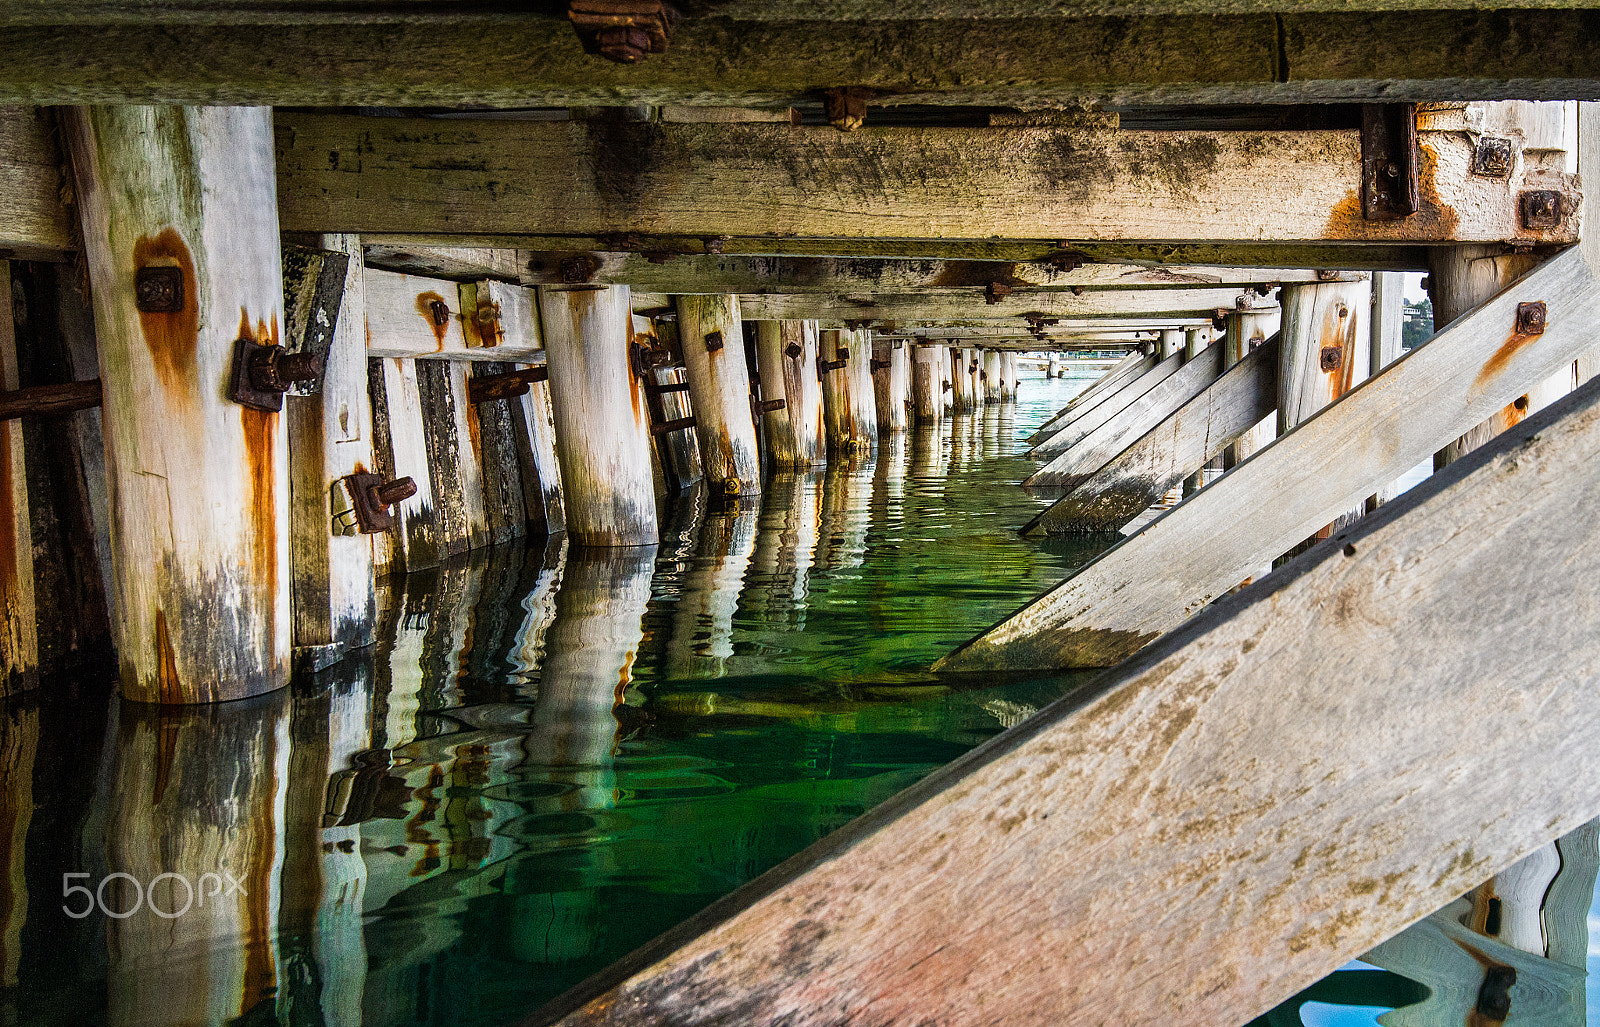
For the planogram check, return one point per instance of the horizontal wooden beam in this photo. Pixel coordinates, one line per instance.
(1284, 493)
(1016, 306)
(1129, 854)
(33, 220)
(1160, 459)
(511, 58)
(409, 316)
(1077, 422)
(439, 176)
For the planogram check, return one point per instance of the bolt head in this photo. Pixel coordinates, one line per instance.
(1531, 318)
(625, 44)
(158, 290)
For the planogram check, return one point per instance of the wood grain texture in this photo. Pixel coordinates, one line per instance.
(330, 436)
(400, 449)
(1244, 332)
(1075, 428)
(340, 173)
(503, 496)
(34, 223)
(455, 455)
(534, 421)
(200, 485)
(1223, 783)
(973, 307)
(891, 384)
(719, 388)
(408, 316)
(780, 442)
(19, 630)
(1322, 324)
(1131, 365)
(518, 60)
(863, 399)
(602, 424)
(1196, 432)
(1284, 493)
(1095, 449)
(961, 379)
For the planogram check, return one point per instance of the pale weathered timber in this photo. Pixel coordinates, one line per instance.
(961, 380)
(455, 462)
(1009, 360)
(1097, 447)
(863, 398)
(1325, 346)
(409, 316)
(461, 264)
(602, 423)
(989, 375)
(494, 434)
(400, 450)
(19, 637)
(330, 436)
(780, 439)
(1247, 329)
(839, 423)
(200, 522)
(34, 223)
(507, 58)
(1125, 370)
(889, 385)
(761, 275)
(973, 307)
(803, 390)
(349, 173)
(1171, 342)
(900, 378)
(534, 422)
(1242, 397)
(712, 339)
(925, 383)
(1327, 465)
(1073, 429)
(1193, 786)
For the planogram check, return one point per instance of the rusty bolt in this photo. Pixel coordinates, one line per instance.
(1521, 403)
(1492, 158)
(440, 313)
(846, 107)
(625, 44)
(579, 270)
(1531, 318)
(996, 292)
(272, 369)
(1541, 209)
(1344, 311)
(732, 486)
(158, 290)
(1331, 358)
(392, 492)
(713, 341)
(1327, 275)
(792, 350)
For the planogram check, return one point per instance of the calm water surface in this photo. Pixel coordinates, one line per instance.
(552, 756)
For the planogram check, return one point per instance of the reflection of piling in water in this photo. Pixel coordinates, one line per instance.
(846, 495)
(702, 625)
(930, 457)
(539, 610)
(785, 545)
(991, 429)
(195, 793)
(19, 743)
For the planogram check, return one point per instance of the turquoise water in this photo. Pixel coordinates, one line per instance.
(551, 756)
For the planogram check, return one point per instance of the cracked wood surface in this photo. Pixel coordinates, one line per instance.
(1224, 782)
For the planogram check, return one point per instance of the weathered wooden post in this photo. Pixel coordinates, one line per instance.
(1195, 340)
(947, 388)
(602, 427)
(330, 437)
(180, 230)
(990, 375)
(1052, 368)
(890, 408)
(803, 389)
(779, 432)
(900, 376)
(863, 400)
(1013, 368)
(712, 338)
(972, 361)
(925, 383)
(1245, 331)
(1172, 342)
(19, 643)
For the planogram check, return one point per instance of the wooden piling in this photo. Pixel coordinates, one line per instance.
(330, 436)
(455, 459)
(863, 400)
(842, 423)
(534, 421)
(400, 450)
(200, 484)
(19, 643)
(925, 381)
(712, 338)
(779, 434)
(602, 427)
(990, 375)
(1245, 331)
(890, 408)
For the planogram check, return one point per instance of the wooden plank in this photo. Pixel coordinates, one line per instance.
(1131, 364)
(458, 264)
(1288, 490)
(1077, 426)
(330, 436)
(975, 307)
(34, 223)
(455, 456)
(19, 631)
(345, 173)
(200, 484)
(400, 450)
(1223, 783)
(1095, 449)
(516, 59)
(409, 316)
(534, 421)
(763, 275)
(1196, 432)
(497, 436)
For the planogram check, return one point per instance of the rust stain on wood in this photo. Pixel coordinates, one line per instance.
(1502, 358)
(168, 684)
(260, 969)
(425, 306)
(172, 338)
(1434, 219)
(8, 533)
(260, 429)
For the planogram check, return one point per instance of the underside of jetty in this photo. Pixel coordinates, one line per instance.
(341, 288)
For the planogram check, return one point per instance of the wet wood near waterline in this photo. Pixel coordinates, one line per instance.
(1076, 427)
(1283, 494)
(400, 450)
(201, 494)
(1196, 432)
(712, 341)
(978, 880)
(341, 173)
(455, 456)
(503, 494)
(863, 398)
(925, 381)
(1096, 448)
(892, 379)
(841, 425)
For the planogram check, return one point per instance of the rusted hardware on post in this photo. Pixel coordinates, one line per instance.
(505, 386)
(1492, 158)
(947, 387)
(1541, 209)
(824, 366)
(793, 351)
(846, 107)
(1219, 319)
(972, 368)
(1531, 318)
(1331, 358)
(858, 323)
(262, 374)
(439, 313)
(666, 427)
(713, 341)
(764, 406)
(878, 365)
(1064, 263)
(996, 292)
(643, 358)
(578, 270)
(731, 487)
(1390, 187)
(361, 502)
(49, 400)
(158, 289)
(625, 31)
(674, 387)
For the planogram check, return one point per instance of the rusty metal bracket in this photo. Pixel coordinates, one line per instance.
(625, 31)
(158, 289)
(1331, 358)
(262, 374)
(846, 106)
(1493, 157)
(1390, 187)
(1531, 318)
(1540, 209)
(666, 427)
(361, 502)
(764, 406)
(642, 358)
(509, 385)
